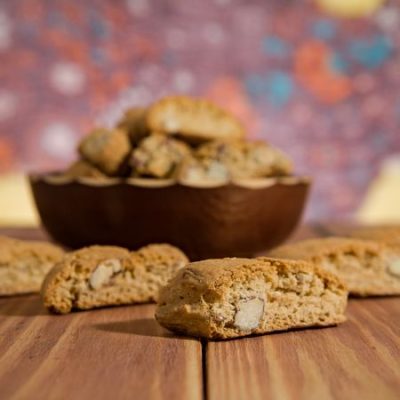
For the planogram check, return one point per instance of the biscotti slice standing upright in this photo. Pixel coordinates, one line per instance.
(368, 268)
(107, 149)
(196, 120)
(24, 264)
(134, 122)
(99, 276)
(233, 297)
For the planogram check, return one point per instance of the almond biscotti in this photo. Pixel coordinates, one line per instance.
(196, 120)
(24, 264)
(233, 297)
(389, 235)
(134, 122)
(107, 149)
(158, 156)
(223, 160)
(99, 276)
(368, 268)
(83, 169)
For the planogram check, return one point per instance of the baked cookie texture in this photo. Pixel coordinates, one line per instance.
(389, 235)
(99, 276)
(158, 156)
(83, 169)
(195, 120)
(107, 149)
(368, 268)
(24, 264)
(134, 122)
(233, 297)
(237, 159)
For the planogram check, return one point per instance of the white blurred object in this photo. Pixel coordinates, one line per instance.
(16, 203)
(382, 202)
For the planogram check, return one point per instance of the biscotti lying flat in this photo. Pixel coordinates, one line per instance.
(235, 297)
(389, 235)
(101, 276)
(24, 264)
(193, 119)
(368, 268)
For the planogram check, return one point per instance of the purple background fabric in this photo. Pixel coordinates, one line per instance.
(325, 90)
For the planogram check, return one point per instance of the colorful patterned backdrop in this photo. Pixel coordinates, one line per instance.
(324, 89)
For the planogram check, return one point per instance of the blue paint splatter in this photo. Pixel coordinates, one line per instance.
(371, 54)
(338, 63)
(324, 29)
(277, 87)
(275, 46)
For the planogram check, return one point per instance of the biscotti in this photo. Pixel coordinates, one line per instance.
(107, 149)
(24, 264)
(223, 160)
(134, 123)
(193, 119)
(389, 235)
(158, 156)
(83, 169)
(233, 297)
(368, 268)
(99, 276)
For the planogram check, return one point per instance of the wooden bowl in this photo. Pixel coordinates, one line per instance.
(236, 219)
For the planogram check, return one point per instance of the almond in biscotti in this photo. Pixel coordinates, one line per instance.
(368, 268)
(196, 120)
(100, 276)
(107, 149)
(234, 297)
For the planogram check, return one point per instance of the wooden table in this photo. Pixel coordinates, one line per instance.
(122, 353)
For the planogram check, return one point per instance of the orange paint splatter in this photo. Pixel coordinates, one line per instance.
(312, 70)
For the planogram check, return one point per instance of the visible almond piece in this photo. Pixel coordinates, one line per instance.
(103, 272)
(394, 268)
(249, 314)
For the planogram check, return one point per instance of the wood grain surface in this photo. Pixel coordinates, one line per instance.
(114, 353)
(121, 353)
(359, 359)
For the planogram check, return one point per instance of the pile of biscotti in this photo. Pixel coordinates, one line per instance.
(303, 284)
(183, 138)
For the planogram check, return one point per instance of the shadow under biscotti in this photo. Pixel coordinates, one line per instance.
(141, 327)
(28, 305)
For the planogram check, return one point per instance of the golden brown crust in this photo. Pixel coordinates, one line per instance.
(107, 149)
(389, 235)
(134, 122)
(83, 169)
(369, 268)
(313, 249)
(158, 156)
(99, 276)
(233, 297)
(194, 119)
(221, 160)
